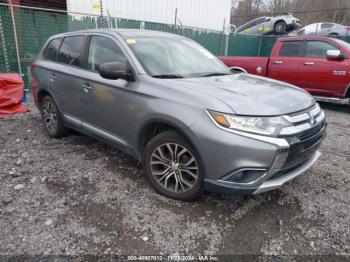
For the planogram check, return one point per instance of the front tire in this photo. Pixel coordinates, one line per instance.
(173, 167)
(51, 117)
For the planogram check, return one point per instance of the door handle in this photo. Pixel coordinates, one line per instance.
(277, 62)
(86, 86)
(309, 63)
(52, 77)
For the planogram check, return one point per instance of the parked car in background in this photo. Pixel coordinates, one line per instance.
(325, 29)
(171, 104)
(270, 25)
(320, 65)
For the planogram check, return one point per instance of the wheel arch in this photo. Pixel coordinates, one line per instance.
(238, 69)
(347, 91)
(280, 20)
(155, 126)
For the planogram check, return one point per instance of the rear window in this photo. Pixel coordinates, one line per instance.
(291, 48)
(51, 50)
(71, 50)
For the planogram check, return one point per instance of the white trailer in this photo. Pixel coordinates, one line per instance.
(207, 14)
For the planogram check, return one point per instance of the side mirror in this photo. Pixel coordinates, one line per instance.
(335, 54)
(115, 70)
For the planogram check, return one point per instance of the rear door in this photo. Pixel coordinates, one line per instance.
(322, 76)
(65, 81)
(285, 65)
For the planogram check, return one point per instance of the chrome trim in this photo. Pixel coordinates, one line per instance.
(94, 130)
(278, 182)
(291, 130)
(297, 119)
(341, 101)
(103, 133)
(321, 117)
(224, 181)
(73, 120)
(315, 113)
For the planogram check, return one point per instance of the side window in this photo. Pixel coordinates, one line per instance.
(51, 50)
(71, 50)
(104, 50)
(291, 48)
(318, 49)
(326, 25)
(246, 26)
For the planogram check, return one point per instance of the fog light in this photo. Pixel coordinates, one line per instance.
(245, 176)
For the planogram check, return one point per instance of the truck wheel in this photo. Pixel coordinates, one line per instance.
(280, 27)
(172, 167)
(333, 35)
(51, 117)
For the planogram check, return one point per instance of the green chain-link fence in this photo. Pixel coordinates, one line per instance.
(34, 26)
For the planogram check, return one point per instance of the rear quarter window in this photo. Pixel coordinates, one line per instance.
(291, 48)
(51, 50)
(71, 51)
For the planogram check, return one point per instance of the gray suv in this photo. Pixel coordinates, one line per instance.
(171, 104)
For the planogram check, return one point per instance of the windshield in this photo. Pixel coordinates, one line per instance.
(169, 57)
(343, 44)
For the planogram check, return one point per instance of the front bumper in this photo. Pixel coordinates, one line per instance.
(275, 183)
(294, 155)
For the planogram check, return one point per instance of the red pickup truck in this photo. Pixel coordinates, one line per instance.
(320, 65)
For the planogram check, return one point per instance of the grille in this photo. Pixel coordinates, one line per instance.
(311, 132)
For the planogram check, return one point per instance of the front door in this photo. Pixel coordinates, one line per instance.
(322, 76)
(110, 104)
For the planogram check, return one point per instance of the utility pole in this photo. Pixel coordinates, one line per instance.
(175, 17)
(101, 8)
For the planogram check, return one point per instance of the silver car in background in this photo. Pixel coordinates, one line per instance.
(270, 25)
(168, 102)
(325, 29)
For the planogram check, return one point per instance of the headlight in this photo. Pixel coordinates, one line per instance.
(268, 126)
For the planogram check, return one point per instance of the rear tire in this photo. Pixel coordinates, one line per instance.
(333, 35)
(173, 167)
(280, 27)
(52, 118)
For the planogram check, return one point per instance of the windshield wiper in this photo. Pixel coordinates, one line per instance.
(215, 74)
(168, 76)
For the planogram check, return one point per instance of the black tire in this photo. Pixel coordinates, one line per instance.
(50, 114)
(280, 27)
(173, 138)
(333, 35)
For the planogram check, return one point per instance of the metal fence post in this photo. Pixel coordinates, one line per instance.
(15, 37)
(259, 46)
(4, 48)
(226, 42)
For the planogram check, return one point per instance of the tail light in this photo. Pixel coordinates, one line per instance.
(347, 28)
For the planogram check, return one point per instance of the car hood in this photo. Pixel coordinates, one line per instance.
(249, 95)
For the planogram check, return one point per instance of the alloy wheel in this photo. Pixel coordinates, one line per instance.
(50, 116)
(174, 167)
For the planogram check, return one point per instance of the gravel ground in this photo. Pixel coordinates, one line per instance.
(75, 196)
